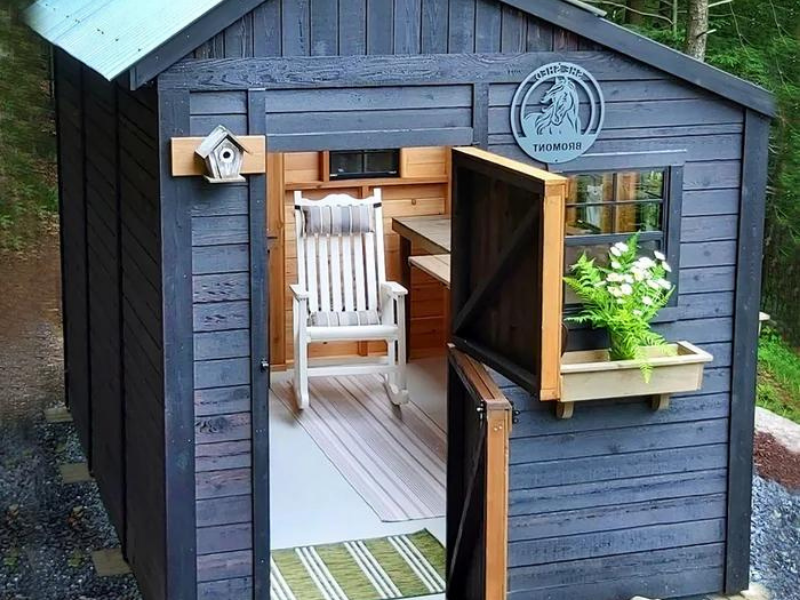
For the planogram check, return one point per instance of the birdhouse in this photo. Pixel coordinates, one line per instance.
(223, 155)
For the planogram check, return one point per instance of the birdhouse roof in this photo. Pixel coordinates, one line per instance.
(214, 139)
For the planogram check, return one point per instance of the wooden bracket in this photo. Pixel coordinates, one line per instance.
(565, 410)
(660, 402)
(185, 163)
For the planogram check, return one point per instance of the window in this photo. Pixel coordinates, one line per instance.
(363, 164)
(607, 207)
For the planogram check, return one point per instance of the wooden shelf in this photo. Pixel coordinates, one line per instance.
(377, 182)
(435, 265)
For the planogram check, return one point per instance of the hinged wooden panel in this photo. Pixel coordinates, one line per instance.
(507, 266)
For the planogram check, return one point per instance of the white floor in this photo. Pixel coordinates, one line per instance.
(311, 502)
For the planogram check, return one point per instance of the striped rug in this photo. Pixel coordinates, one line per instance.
(394, 457)
(402, 566)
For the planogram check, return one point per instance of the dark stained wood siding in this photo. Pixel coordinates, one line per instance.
(143, 338)
(356, 27)
(112, 303)
(616, 502)
(619, 500)
(69, 90)
(104, 287)
(220, 224)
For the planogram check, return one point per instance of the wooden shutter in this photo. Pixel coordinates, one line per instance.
(507, 266)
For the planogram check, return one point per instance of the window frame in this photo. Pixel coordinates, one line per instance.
(363, 174)
(672, 163)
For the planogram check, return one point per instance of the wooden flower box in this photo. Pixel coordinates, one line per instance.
(590, 375)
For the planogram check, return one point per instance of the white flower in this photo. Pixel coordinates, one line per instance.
(627, 279)
(626, 289)
(637, 312)
(654, 284)
(666, 266)
(600, 284)
(615, 251)
(614, 277)
(614, 291)
(647, 300)
(659, 255)
(646, 263)
(615, 265)
(621, 246)
(620, 301)
(638, 274)
(665, 284)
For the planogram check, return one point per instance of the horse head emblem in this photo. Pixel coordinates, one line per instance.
(570, 116)
(561, 116)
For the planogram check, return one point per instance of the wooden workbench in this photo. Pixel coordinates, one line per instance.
(431, 236)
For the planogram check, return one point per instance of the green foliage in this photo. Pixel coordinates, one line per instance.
(758, 41)
(623, 298)
(27, 134)
(778, 376)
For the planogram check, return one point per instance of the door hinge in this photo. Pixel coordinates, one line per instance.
(264, 364)
(515, 413)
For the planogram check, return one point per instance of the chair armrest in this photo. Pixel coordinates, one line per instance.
(393, 289)
(298, 292)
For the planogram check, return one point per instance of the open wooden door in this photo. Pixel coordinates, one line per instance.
(506, 302)
(507, 267)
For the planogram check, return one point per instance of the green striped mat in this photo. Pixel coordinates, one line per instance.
(402, 566)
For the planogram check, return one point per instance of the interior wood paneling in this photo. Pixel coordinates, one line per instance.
(422, 189)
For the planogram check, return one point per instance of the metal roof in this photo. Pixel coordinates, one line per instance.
(111, 36)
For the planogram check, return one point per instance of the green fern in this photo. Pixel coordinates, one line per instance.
(623, 298)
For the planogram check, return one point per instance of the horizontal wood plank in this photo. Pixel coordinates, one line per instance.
(186, 163)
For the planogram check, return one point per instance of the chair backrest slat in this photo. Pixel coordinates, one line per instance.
(347, 272)
(324, 279)
(358, 262)
(301, 252)
(311, 269)
(336, 274)
(340, 251)
(372, 273)
(379, 245)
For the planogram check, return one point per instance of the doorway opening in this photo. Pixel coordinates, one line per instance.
(352, 475)
(405, 500)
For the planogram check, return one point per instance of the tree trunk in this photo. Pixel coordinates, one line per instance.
(634, 17)
(697, 29)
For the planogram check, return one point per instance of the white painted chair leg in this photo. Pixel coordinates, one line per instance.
(301, 377)
(300, 359)
(398, 388)
(391, 359)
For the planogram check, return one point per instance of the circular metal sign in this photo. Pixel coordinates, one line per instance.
(557, 112)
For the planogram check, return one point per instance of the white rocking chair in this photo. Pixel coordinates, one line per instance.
(342, 294)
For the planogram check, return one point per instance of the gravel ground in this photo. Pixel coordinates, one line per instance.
(776, 539)
(48, 530)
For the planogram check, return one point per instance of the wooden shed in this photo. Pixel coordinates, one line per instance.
(175, 289)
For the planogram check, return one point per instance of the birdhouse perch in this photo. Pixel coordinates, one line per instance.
(223, 155)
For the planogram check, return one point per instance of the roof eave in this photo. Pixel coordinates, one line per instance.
(189, 39)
